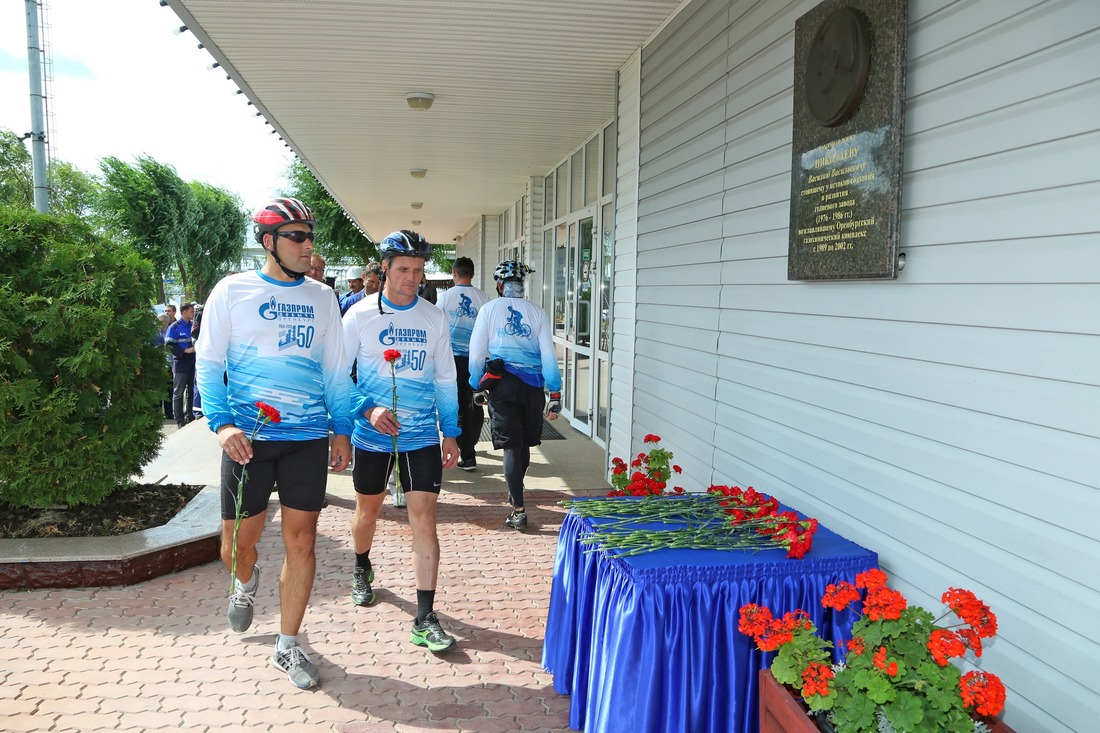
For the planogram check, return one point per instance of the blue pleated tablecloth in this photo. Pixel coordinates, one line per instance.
(649, 642)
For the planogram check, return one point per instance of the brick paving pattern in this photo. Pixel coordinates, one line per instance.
(159, 655)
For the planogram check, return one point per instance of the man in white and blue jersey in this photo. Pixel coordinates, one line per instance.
(461, 304)
(512, 359)
(274, 336)
(420, 379)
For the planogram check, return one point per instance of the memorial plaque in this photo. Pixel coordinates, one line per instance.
(849, 97)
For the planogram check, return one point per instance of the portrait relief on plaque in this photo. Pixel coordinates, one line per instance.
(836, 67)
(847, 139)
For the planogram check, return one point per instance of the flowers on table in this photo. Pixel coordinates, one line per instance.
(391, 356)
(652, 480)
(265, 414)
(722, 518)
(897, 674)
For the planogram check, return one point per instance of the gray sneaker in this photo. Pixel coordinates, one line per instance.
(431, 634)
(298, 667)
(361, 592)
(242, 602)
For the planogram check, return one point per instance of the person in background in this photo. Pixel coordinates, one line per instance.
(413, 333)
(196, 324)
(372, 278)
(273, 337)
(427, 291)
(512, 359)
(170, 311)
(178, 338)
(355, 292)
(163, 322)
(316, 269)
(461, 304)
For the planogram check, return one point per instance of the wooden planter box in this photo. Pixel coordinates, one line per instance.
(781, 711)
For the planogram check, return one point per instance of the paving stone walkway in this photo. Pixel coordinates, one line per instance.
(159, 655)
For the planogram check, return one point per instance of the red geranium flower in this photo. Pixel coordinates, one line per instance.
(984, 692)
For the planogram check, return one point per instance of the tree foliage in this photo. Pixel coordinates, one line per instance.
(215, 240)
(194, 230)
(72, 191)
(16, 180)
(338, 237)
(81, 374)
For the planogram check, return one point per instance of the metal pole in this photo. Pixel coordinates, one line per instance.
(38, 103)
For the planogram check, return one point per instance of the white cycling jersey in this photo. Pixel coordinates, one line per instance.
(281, 343)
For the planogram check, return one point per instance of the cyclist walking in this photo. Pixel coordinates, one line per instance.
(512, 359)
(461, 304)
(402, 347)
(274, 336)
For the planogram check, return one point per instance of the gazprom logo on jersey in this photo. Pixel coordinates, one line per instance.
(273, 310)
(391, 336)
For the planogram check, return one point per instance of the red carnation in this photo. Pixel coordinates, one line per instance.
(269, 412)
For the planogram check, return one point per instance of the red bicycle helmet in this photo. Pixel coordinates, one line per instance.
(279, 212)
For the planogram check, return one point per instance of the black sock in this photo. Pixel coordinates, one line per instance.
(362, 560)
(425, 600)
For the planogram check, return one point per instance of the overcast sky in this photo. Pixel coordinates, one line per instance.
(124, 86)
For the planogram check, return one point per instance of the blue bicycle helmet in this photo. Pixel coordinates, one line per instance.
(511, 270)
(404, 243)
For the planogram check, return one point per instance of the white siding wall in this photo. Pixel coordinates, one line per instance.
(947, 420)
(624, 301)
(470, 245)
(533, 249)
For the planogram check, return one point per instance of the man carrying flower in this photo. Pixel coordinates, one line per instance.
(405, 395)
(272, 339)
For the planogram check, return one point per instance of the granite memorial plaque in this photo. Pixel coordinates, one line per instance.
(849, 96)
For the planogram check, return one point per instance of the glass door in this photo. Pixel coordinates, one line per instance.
(583, 312)
(576, 317)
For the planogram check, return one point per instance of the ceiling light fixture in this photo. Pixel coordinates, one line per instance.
(420, 100)
(177, 31)
(416, 222)
(213, 65)
(416, 204)
(418, 172)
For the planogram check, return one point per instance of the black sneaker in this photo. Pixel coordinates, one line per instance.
(430, 634)
(470, 465)
(516, 520)
(361, 592)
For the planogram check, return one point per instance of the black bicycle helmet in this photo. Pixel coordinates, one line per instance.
(404, 243)
(511, 270)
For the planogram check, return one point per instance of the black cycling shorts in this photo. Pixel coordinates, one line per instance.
(421, 470)
(298, 467)
(515, 409)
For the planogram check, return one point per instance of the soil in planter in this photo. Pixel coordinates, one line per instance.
(130, 509)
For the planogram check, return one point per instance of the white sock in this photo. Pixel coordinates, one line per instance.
(252, 584)
(284, 642)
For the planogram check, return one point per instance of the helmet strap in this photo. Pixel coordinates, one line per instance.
(275, 253)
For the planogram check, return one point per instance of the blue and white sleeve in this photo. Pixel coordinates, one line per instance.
(210, 361)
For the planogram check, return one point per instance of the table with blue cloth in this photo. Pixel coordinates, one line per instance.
(649, 642)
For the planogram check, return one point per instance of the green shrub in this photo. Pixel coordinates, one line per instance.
(81, 374)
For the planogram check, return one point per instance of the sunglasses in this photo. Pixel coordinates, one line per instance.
(296, 236)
